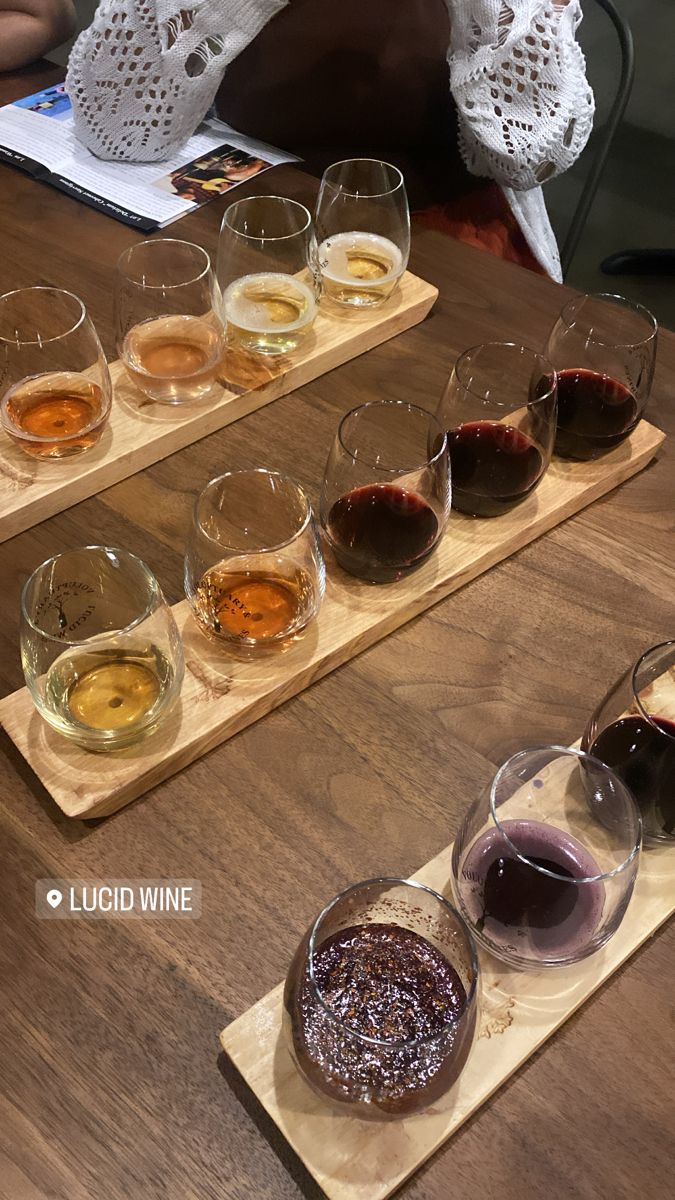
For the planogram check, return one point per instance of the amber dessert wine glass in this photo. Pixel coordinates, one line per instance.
(169, 335)
(254, 571)
(55, 389)
(101, 653)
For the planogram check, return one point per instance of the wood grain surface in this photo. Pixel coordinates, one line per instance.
(221, 695)
(112, 1087)
(140, 432)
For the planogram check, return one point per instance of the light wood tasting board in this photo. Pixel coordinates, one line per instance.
(353, 1159)
(141, 432)
(222, 694)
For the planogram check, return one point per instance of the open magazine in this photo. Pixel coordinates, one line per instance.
(37, 135)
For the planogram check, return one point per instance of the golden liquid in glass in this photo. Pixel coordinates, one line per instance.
(359, 269)
(269, 313)
(254, 606)
(113, 691)
(114, 696)
(54, 416)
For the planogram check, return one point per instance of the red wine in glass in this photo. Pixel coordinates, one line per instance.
(389, 983)
(642, 753)
(381, 531)
(542, 912)
(493, 467)
(595, 413)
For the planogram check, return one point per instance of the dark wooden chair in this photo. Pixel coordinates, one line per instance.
(606, 135)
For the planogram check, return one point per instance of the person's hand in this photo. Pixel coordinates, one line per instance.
(29, 28)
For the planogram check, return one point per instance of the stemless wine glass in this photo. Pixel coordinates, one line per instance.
(254, 571)
(101, 653)
(499, 409)
(266, 273)
(604, 349)
(169, 335)
(381, 997)
(633, 731)
(363, 227)
(545, 862)
(386, 495)
(54, 382)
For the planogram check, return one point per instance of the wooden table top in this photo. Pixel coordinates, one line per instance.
(112, 1085)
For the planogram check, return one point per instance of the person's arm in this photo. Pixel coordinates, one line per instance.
(29, 28)
(518, 78)
(142, 77)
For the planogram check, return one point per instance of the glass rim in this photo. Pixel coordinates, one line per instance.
(338, 187)
(430, 459)
(470, 992)
(549, 370)
(164, 287)
(155, 594)
(638, 308)
(255, 237)
(636, 695)
(581, 756)
(306, 520)
(43, 439)
(57, 338)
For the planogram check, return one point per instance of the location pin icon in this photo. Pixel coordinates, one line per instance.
(54, 898)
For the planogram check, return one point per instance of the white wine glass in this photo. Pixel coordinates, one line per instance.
(169, 334)
(100, 649)
(363, 229)
(267, 274)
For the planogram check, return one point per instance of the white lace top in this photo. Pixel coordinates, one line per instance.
(146, 71)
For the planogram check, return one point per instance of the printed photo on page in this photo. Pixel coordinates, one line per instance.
(146, 195)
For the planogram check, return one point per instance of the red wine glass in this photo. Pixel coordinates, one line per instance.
(380, 1000)
(499, 410)
(386, 490)
(633, 731)
(604, 349)
(542, 878)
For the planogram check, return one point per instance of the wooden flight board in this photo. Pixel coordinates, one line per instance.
(353, 1159)
(141, 432)
(222, 694)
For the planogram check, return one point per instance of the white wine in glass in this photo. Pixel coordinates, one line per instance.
(100, 649)
(266, 274)
(359, 268)
(269, 312)
(363, 228)
(113, 691)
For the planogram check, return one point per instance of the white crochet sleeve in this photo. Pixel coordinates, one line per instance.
(145, 72)
(518, 78)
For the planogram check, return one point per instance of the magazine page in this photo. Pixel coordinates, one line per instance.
(35, 128)
(39, 129)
